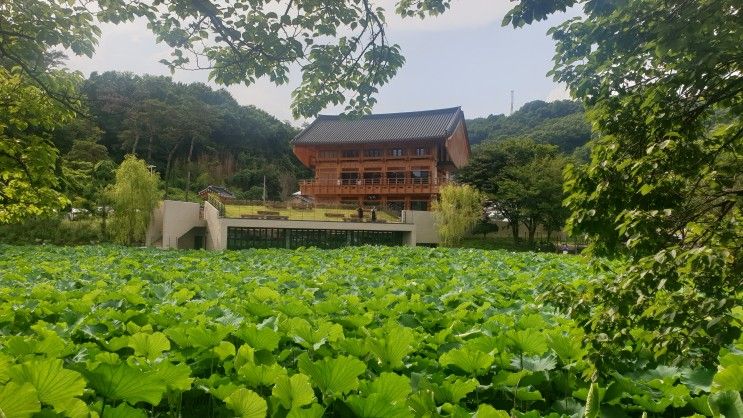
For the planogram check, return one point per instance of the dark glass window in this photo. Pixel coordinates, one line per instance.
(395, 177)
(350, 153)
(420, 176)
(373, 153)
(419, 205)
(349, 177)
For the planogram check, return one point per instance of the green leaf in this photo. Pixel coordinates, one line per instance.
(247, 404)
(525, 394)
(259, 338)
(18, 401)
(390, 345)
(54, 385)
(124, 382)
(174, 376)
(224, 349)
(468, 360)
(728, 378)
(391, 386)
(566, 347)
(726, 404)
(592, 402)
(528, 341)
(314, 411)
(124, 411)
(149, 346)
(293, 392)
(698, 380)
(5, 363)
(73, 408)
(333, 376)
(487, 411)
(458, 389)
(376, 406)
(262, 375)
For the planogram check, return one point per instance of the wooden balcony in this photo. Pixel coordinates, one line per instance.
(322, 187)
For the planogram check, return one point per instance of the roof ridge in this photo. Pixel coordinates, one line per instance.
(378, 115)
(420, 124)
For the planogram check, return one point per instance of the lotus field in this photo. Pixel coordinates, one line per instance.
(358, 332)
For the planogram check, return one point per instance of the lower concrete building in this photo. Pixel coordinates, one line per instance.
(189, 225)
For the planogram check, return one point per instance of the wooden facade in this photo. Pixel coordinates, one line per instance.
(395, 160)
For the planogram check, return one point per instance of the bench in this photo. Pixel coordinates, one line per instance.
(267, 212)
(265, 217)
(334, 215)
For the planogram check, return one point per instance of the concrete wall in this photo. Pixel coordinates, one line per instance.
(214, 238)
(154, 234)
(424, 226)
(178, 219)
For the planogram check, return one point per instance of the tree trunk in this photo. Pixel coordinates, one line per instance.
(188, 170)
(167, 168)
(136, 142)
(532, 231)
(149, 147)
(515, 231)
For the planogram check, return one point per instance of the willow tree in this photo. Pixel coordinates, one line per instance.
(457, 212)
(134, 195)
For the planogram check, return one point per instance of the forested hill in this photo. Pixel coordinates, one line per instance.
(561, 123)
(180, 128)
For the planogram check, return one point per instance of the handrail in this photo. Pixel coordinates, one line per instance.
(374, 182)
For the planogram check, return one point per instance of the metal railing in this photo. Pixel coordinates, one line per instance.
(306, 211)
(386, 186)
(375, 182)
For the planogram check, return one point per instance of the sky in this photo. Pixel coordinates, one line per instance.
(462, 58)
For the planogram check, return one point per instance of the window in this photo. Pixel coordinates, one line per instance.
(328, 154)
(350, 153)
(373, 153)
(349, 177)
(396, 177)
(418, 205)
(420, 152)
(420, 176)
(397, 152)
(372, 177)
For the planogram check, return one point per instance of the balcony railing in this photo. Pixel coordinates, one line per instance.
(371, 186)
(362, 158)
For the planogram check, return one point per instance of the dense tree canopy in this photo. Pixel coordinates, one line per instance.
(663, 84)
(191, 128)
(524, 181)
(562, 123)
(29, 183)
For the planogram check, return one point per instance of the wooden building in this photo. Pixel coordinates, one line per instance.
(398, 160)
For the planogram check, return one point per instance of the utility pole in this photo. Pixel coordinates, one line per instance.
(511, 104)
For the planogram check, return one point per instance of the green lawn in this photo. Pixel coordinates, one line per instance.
(315, 214)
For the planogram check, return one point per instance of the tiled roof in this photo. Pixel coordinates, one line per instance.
(427, 124)
(222, 191)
